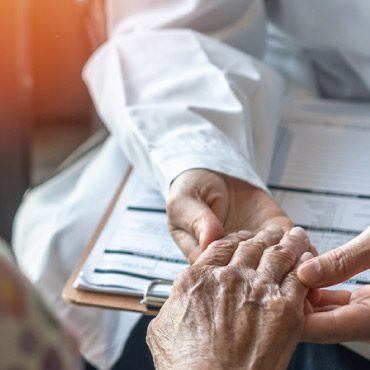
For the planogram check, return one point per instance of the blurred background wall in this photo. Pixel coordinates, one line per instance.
(45, 110)
(15, 107)
(60, 50)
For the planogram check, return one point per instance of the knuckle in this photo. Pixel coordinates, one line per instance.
(278, 304)
(258, 244)
(276, 229)
(232, 236)
(295, 243)
(186, 279)
(228, 276)
(259, 290)
(282, 254)
(271, 233)
(243, 243)
(276, 248)
(222, 245)
(251, 245)
(284, 308)
(245, 234)
(339, 260)
(221, 251)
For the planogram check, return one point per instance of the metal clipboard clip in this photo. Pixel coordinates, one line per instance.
(151, 300)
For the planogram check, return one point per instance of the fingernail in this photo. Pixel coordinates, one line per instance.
(201, 239)
(306, 256)
(298, 232)
(310, 272)
(273, 228)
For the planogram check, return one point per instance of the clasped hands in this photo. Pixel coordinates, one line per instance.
(240, 306)
(242, 303)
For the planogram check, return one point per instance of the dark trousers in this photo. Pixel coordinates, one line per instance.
(136, 355)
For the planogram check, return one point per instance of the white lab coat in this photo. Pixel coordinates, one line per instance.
(182, 84)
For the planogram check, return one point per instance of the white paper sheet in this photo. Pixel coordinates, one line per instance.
(135, 246)
(321, 177)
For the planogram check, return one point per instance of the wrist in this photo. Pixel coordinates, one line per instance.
(252, 208)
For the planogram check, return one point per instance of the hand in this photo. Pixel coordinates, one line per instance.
(338, 316)
(240, 306)
(204, 206)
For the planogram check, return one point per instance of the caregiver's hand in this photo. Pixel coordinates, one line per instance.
(240, 306)
(339, 316)
(204, 206)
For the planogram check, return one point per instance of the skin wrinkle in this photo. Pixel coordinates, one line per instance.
(195, 291)
(259, 348)
(231, 316)
(338, 316)
(334, 320)
(268, 297)
(346, 331)
(341, 261)
(367, 330)
(221, 320)
(288, 283)
(243, 254)
(222, 249)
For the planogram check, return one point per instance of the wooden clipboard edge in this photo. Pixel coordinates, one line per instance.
(99, 299)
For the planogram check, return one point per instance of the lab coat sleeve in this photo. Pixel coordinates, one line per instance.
(177, 99)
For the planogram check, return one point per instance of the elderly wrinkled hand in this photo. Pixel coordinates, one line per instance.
(240, 306)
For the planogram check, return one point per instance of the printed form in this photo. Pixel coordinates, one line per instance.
(135, 246)
(320, 176)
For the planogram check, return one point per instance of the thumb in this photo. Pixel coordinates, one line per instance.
(209, 228)
(195, 217)
(337, 265)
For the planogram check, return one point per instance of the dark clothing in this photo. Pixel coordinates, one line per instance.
(136, 355)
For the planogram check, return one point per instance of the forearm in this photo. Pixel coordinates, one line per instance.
(184, 111)
(176, 99)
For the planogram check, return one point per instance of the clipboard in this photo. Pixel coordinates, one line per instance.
(148, 304)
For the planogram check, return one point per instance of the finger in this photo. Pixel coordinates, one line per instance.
(249, 251)
(277, 261)
(291, 285)
(307, 307)
(343, 324)
(196, 218)
(313, 250)
(219, 252)
(325, 308)
(361, 293)
(188, 245)
(282, 220)
(329, 297)
(339, 264)
(313, 295)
